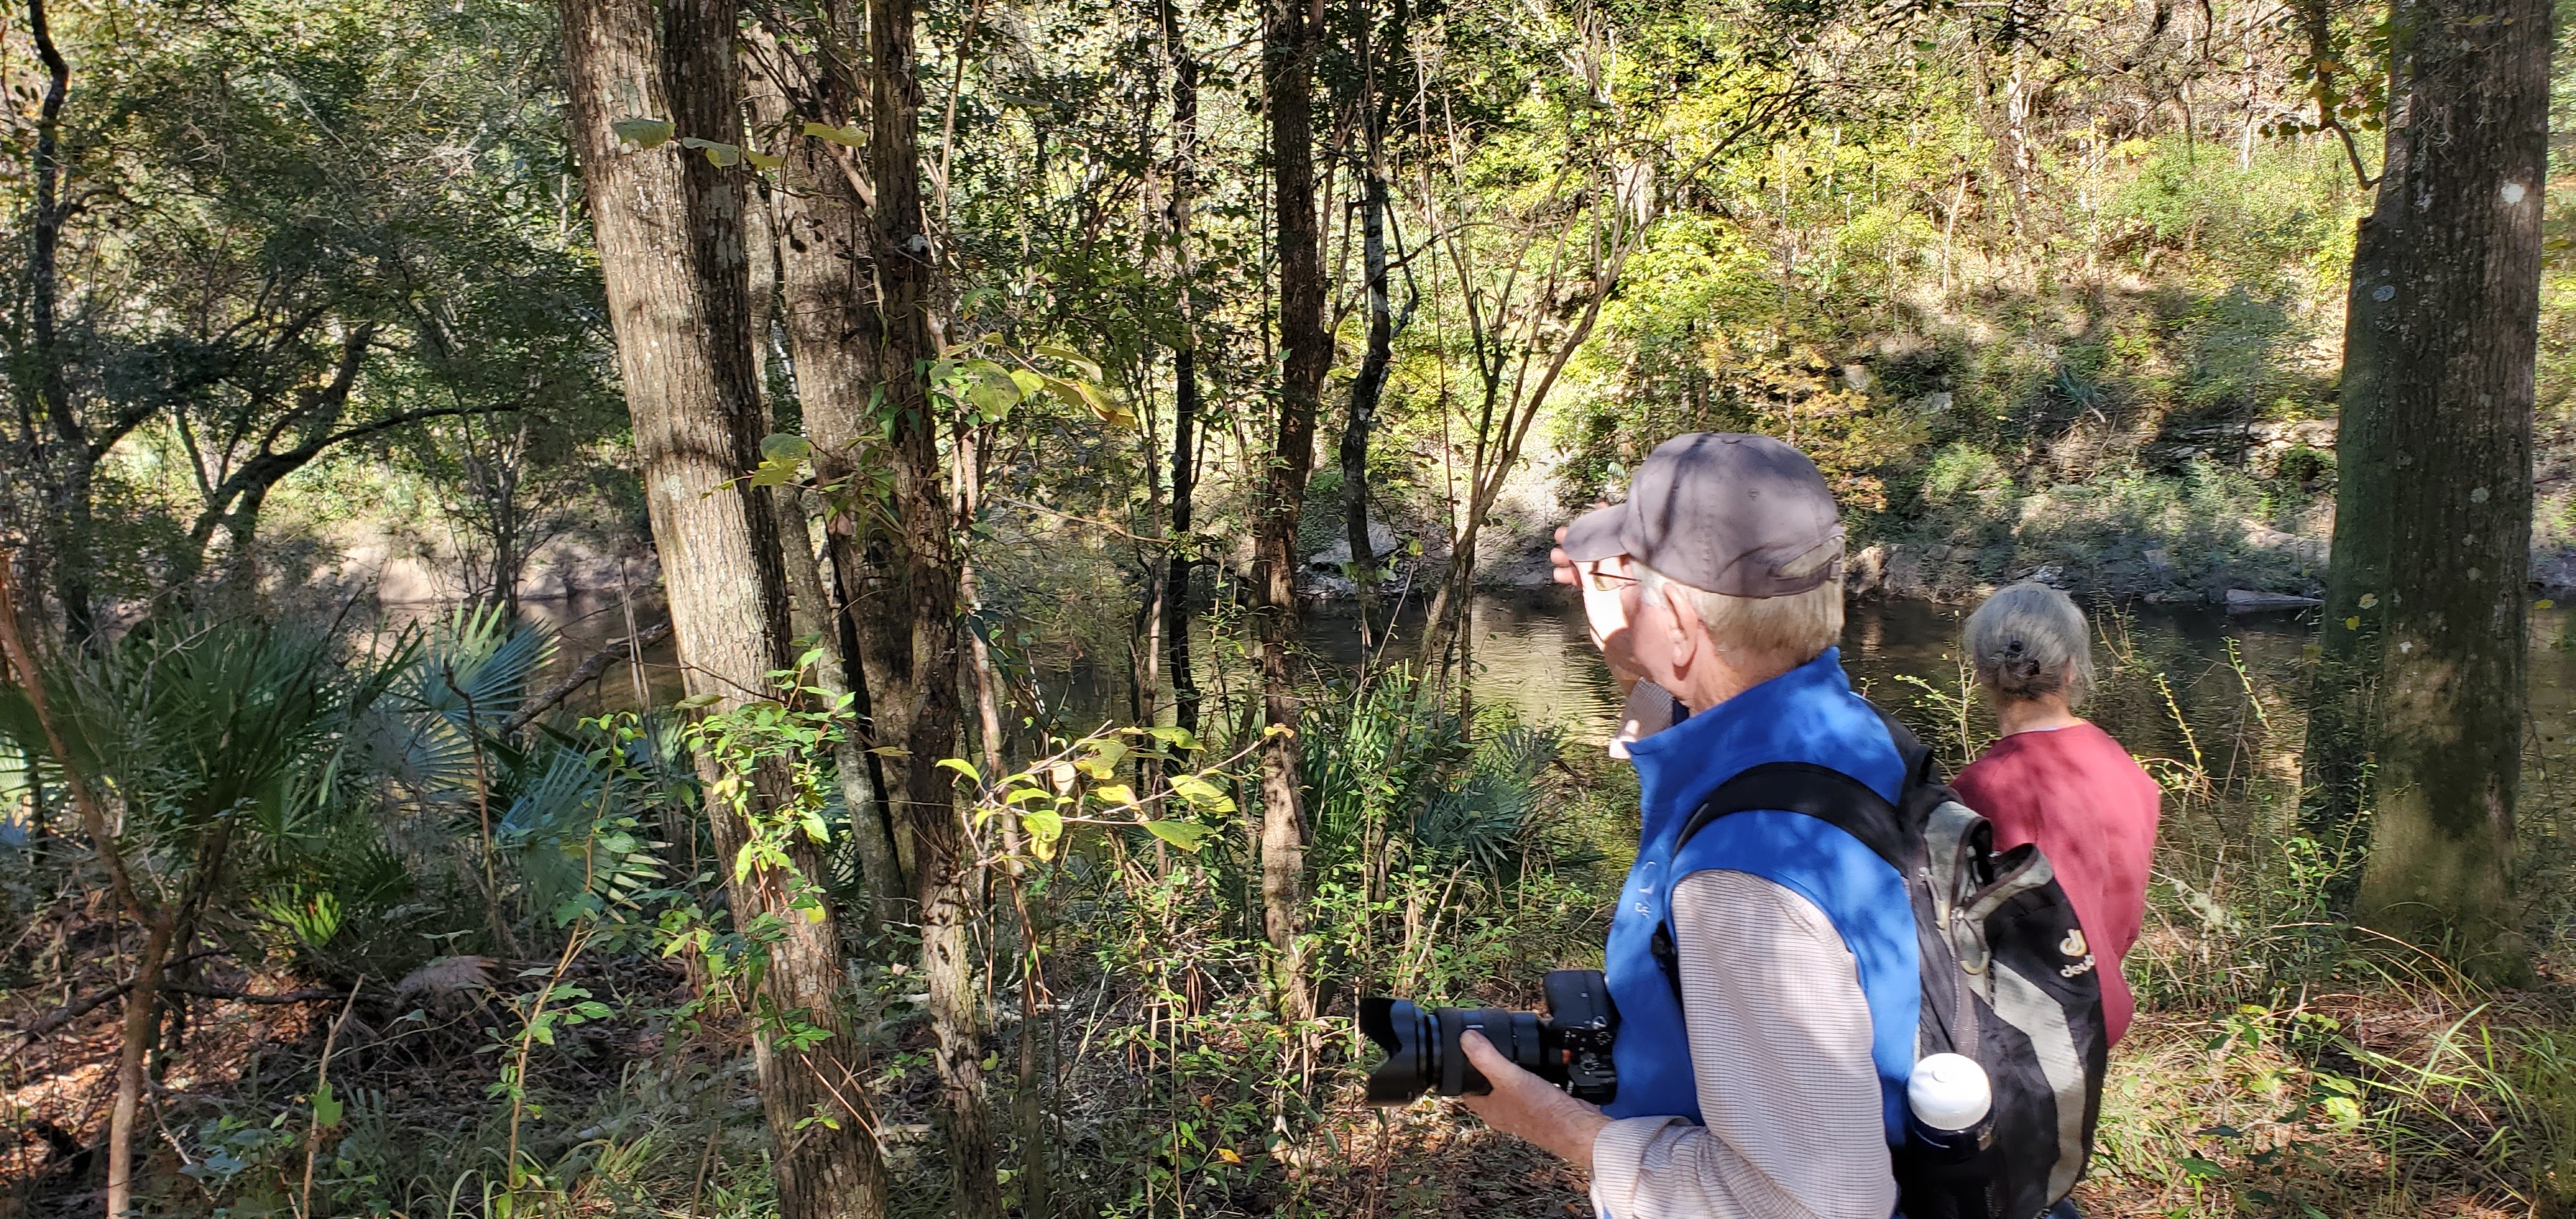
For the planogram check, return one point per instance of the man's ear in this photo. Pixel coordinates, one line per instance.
(1681, 620)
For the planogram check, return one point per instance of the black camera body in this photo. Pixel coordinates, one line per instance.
(1569, 1047)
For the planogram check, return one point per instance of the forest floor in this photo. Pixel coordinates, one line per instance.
(2402, 1096)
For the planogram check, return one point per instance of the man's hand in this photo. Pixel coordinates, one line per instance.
(1531, 1108)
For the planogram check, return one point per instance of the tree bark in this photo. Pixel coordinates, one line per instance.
(1185, 373)
(1369, 384)
(72, 484)
(819, 240)
(1292, 28)
(669, 226)
(907, 278)
(2420, 709)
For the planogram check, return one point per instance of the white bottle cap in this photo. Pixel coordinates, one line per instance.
(1949, 1092)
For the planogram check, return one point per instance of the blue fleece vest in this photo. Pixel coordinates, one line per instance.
(1808, 714)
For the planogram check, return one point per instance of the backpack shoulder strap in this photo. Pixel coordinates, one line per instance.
(1821, 792)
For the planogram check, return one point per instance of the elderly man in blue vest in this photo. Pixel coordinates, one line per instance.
(1765, 970)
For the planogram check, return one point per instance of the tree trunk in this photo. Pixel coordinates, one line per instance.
(1185, 373)
(1370, 382)
(69, 547)
(669, 227)
(817, 239)
(2420, 714)
(907, 276)
(1307, 355)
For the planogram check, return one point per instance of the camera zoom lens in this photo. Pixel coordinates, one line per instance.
(1412, 1044)
(1570, 1047)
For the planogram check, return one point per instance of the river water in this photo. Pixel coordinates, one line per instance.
(2227, 674)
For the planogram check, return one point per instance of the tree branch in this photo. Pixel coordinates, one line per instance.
(583, 674)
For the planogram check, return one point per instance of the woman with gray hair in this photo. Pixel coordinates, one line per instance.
(2054, 778)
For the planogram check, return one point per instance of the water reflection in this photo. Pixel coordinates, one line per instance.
(1530, 653)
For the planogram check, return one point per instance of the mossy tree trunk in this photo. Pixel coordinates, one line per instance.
(2419, 715)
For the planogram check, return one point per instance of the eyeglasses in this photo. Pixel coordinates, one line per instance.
(1607, 581)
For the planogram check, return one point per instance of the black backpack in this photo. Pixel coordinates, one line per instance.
(2008, 978)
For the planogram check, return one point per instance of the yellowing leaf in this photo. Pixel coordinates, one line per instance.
(1115, 793)
(762, 159)
(720, 155)
(2544, 603)
(642, 132)
(1062, 775)
(1202, 793)
(1229, 1155)
(1177, 738)
(2370, 601)
(1045, 826)
(852, 136)
(2353, 623)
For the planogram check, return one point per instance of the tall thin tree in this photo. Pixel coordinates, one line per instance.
(944, 871)
(1290, 33)
(825, 287)
(1185, 367)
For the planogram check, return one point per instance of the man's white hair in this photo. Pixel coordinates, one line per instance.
(1797, 627)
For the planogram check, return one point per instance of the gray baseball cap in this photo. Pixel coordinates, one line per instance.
(1742, 515)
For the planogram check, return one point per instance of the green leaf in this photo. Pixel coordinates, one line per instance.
(1045, 826)
(326, 1107)
(1202, 793)
(642, 132)
(1187, 835)
(1086, 396)
(785, 446)
(2199, 1169)
(776, 473)
(961, 766)
(762, 159)
(1090, 370)
(697, 701)
(993, 390)
(1177, 738)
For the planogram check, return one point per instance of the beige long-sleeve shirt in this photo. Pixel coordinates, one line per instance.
(1780, 1043)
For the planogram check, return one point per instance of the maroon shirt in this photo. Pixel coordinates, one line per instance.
(2079, 795)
